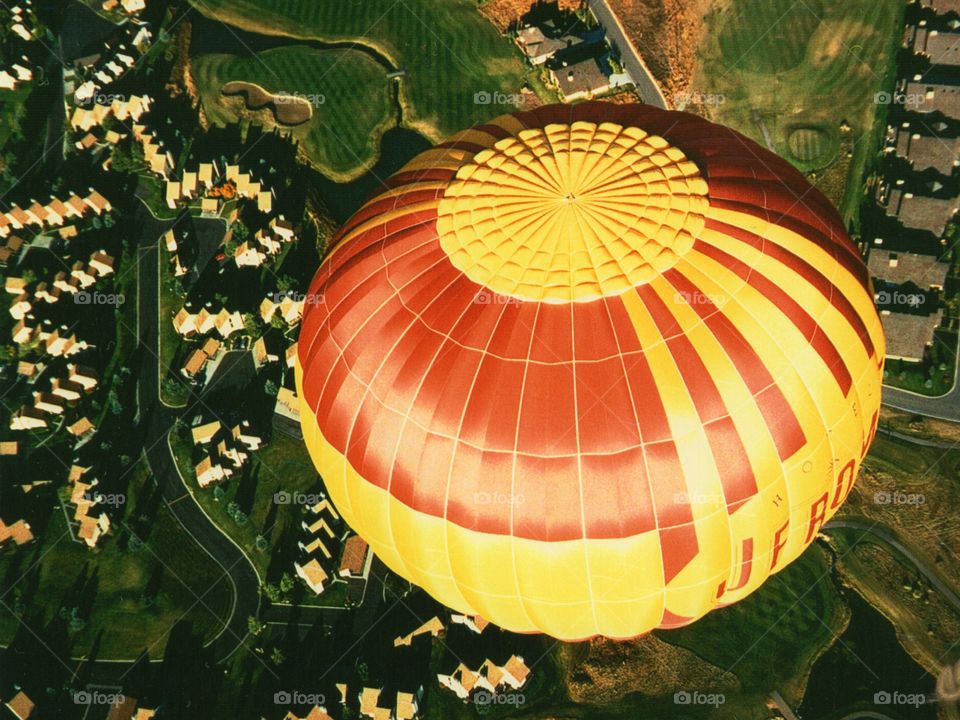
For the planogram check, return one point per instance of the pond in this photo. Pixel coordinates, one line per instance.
(867, 660)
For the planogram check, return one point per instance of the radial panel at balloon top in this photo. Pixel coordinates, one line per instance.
(591, 370)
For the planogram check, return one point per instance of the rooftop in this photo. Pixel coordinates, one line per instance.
(898, 268)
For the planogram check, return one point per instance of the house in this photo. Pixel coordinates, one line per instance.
(922, 213)
(580, 80)
(101, 263)
(81, 428)
(82, 375)
(61, 282)
(355, 561)
(9, 448)
(82, 273)
(97, 202)
(26, 369)
(210, 206)
(268, 242)
(15, 285)
(170, 241)
(282, 228)
(228, 323)
(515, 672)
(194, 364)
(291, 310)
(433, 626)
(933, 97)
(463, 681)
(172, 194)
(184, 322)
(204, 321)
(19, 532)
(20, 306)
(20, 706)
(317, 712)
(267, 308)
(203, 434)
(206, 173)
(67, 389)
(291, 355)
(22, 332)
(406, 707)
(312, 574)
(247, 255)
(188, 184)
(539, 43)
(209, 472)
(369, 703)
(28, 418)
(49, 403)
(924, 151)
(940, 47)
(322, 505)
(265, 201)
(243, 435)
(474, 623)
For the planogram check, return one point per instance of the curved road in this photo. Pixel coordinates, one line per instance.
(890, 539)
(629, 55)
(156, 421)
(943, 407)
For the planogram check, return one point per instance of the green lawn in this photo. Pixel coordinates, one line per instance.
(114, 579)
(176, 391)
(448, 50)
(805, 68)
(771, 638)
(349, 90)
(283, 464)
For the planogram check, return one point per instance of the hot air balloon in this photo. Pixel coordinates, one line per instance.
(591, 370)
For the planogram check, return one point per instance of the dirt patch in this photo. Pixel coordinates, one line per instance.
(602, 671)
(667, 33)
(504, 14)
(287, 109)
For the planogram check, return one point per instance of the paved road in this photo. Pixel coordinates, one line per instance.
(156, 420)
(629, 55)
(944, 407)
(888, 537)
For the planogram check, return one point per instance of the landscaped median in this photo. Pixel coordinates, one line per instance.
(262, 511)
(125, 596)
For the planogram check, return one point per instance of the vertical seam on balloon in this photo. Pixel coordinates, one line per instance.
(583, 513)
(712, 599)
(513, 475)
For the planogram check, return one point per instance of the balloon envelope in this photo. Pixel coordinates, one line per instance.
(591, 370)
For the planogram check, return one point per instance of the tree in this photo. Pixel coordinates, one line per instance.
(270, 388)
(255, 627)
(250, 325)
(277, 657)
(286, 583)
(272, 592)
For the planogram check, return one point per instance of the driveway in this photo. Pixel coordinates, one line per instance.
(629, 55)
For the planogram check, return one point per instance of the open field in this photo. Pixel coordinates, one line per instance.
(802, 70)
(447, 56)
(281, 465)
(770, 639)
(347, 91)
(130, 597)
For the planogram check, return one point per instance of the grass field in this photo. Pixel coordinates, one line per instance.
(283, 464)
(348, 90)
(448, 51)
(113, 579)
(805, 68)
(770, 639)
